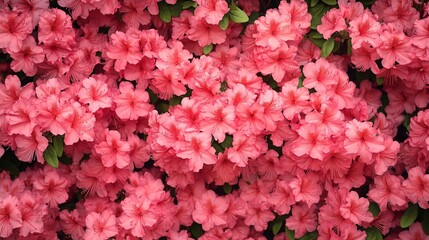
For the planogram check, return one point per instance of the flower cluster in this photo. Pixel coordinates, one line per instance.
(214, 119)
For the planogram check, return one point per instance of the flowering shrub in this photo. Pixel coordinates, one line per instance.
(214, 119)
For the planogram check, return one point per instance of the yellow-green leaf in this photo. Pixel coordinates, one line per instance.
(237, 15)
(224, 23)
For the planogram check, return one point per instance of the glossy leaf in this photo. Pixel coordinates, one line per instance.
(51, 157)
(327, 47)
(237, 15)
(409, 216)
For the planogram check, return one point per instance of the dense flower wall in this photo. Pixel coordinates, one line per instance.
(214, 119)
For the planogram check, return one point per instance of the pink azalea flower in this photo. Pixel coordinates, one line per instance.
(211, 10)
(28, 147)
(388, 190)
(356, 209)
(210, 210)
(258, 215)
(363, 140)
(306, 188)
(22, 118)
(55, 25)
(10, 216)
(11, 91)
(197, 150)
(218, 119)
(137, 215)
(365, 28)
(14, 28)
(277, 62)
(113, 150)
(100, 226)
(332, 21)
(27, 57)
(94, 94)
(302, 220)
(32, 213)
(52, 187)
(124, 49)
(416, 186)
(72, 223)
(395, 47)
(132, 103)
(415, 232)
(272, 29)
(205, 33)
(134, 13)
(78, 124)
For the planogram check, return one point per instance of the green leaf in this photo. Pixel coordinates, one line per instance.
(406, 122)
(349, 47)
(175, 100)
(227, 143)
(164, 12)
(330, 2)
(223, 86)
(237, 15)
(315, 35)
(310, 236)
(318, 42)
(373, 233)
(58, 145)
(227, 188)
(290, 234)
(277, 226)
(425, 222)
(409, 216)
(301, 82)
(374, 209)
(175, 10)
(327, 47)
(379, 81)
(224, 23)
(207, 49)
(196, 230)
(189, 4)
(313, 3)
(6, 164)
(50, 156)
